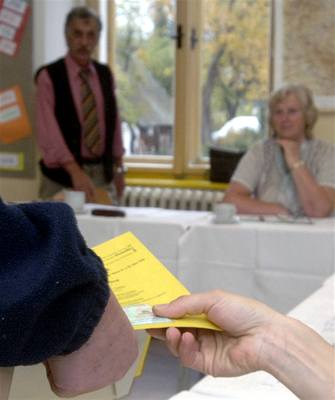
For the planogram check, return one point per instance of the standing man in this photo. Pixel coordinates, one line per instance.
(78, 126)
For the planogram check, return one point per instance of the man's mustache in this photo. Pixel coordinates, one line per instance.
(83, 50)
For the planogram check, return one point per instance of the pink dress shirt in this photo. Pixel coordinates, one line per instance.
(49, 137)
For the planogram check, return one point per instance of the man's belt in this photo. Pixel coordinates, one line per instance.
(92, 161)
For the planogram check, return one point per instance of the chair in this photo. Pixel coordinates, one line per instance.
(223, 164)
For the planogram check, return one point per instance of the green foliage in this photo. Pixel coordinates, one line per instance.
(234, 49)
(158, 56)
(240, 30)
(127, 107)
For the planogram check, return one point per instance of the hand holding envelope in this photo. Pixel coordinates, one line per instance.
(139, 281)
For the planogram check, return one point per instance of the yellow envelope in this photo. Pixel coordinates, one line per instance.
(139, 281)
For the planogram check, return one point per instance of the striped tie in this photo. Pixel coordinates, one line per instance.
(92, 138)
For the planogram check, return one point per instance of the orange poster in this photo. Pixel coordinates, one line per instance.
(14, 121)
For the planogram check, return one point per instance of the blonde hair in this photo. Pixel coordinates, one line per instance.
(305, 97)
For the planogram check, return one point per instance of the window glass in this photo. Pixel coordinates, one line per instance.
(145, 60)
(235, 73)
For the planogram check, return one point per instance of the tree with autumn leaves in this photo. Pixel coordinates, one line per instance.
(235, 60)
(234, 53)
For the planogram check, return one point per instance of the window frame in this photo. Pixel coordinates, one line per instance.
(186, 161)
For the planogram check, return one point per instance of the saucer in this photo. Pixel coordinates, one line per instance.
(234, 220)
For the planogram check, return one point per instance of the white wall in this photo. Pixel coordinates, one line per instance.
(48, 45)
(48, 31)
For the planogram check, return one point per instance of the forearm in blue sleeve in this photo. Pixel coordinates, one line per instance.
(53, 289)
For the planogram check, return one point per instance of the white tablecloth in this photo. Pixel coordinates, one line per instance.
(159, 229)
(317, 311)
(277, 263)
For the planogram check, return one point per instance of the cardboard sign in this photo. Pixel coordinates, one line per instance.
(11, 161)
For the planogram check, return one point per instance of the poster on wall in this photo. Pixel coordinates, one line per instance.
(13, 19)
(11, 161)
(14, 121)
(309, 59)
(17, 141)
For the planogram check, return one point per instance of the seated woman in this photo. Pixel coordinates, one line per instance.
(291, 172)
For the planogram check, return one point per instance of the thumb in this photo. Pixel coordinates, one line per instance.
(193, 304)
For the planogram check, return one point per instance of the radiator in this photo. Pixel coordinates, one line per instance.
(177, 199)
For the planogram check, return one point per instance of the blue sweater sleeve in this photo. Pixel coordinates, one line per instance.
(53, 288)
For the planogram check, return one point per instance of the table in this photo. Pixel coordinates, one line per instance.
(277, 263)
(159, 229)
(317, 311)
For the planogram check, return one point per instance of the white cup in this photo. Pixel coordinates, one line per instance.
(224, 213)
(75, 199)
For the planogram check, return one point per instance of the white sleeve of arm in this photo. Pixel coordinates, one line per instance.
(249, 169)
